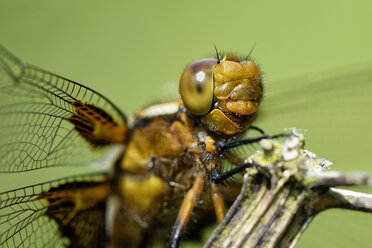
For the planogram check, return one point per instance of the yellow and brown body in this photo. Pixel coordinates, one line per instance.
(169, 151)
(161, 160)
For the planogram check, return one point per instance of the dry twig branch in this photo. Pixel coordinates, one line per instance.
(273, 211)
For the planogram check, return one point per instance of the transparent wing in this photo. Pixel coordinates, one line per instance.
(44, 215)
(333, 110)
(47, 120)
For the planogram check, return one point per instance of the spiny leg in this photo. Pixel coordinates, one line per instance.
(186, 209)
(257, 129)
(217, 177)
(223, 146)
(218, 203)
(217, 198)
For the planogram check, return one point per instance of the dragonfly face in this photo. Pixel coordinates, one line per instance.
(225, 93)
(164, 161)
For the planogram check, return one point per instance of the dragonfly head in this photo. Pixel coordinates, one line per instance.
(224, 94)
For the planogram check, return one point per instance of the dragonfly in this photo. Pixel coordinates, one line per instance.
(147, 174)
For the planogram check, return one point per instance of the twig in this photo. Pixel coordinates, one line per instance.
(275, 211)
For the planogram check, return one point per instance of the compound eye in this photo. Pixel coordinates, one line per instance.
(196, 86)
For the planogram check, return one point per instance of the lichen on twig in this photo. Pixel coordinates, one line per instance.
(274, 210)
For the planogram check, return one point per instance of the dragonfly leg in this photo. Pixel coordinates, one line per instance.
(217, 177)
(218, 203)
(257, 129)
(224, 145)
(186, 209)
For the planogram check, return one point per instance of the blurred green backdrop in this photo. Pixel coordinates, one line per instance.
(134, 52)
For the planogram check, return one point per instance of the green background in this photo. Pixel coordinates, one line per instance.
(134, 53)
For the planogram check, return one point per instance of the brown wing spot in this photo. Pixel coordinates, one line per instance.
(96, 125)
(79, 209)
